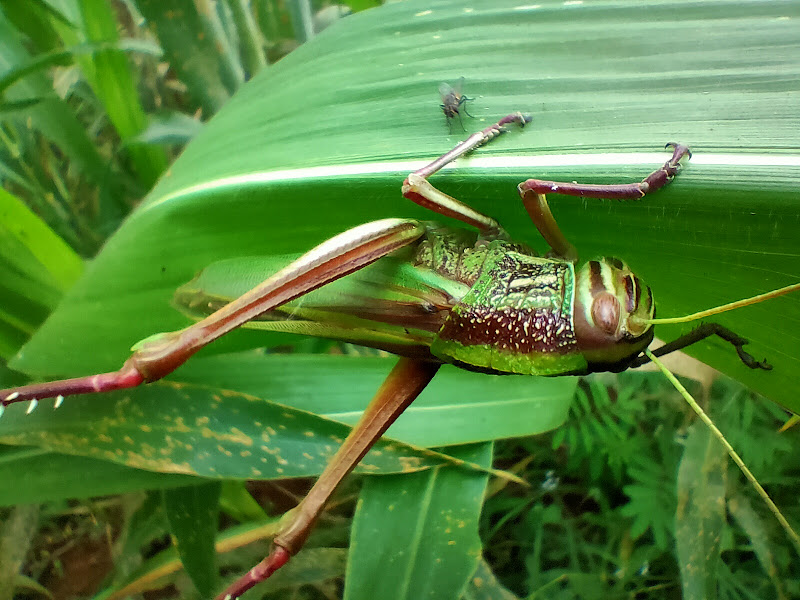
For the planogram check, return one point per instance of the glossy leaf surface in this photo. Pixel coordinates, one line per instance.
(321, 142)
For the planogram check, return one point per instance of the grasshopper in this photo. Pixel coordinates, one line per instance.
(474, 299)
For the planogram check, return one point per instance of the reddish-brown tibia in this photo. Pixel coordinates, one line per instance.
(534, 198)
(417, 188)
(627, 191)
(408, 378)
(159, 355)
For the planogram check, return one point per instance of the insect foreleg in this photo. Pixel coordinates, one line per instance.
(709, 329)
(700, 333)
(539, 211)
(417, 188)
(626, 191)
(534, 197)
(408, 378)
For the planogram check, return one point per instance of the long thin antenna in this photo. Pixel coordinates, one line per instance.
(726, 307)
(731, 452)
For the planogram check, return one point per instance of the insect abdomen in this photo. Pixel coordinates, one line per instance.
(516, 318)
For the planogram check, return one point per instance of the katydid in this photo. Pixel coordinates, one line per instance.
(431, 295)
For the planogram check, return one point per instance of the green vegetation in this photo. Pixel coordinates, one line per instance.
(627, 498)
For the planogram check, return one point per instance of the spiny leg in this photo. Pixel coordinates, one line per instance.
(417, 188)
(700, 333)
(408, 378)
(534, 197)
(159, 355)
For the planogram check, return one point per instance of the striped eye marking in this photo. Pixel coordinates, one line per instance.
(633, 292)
(614, 295)
(596, 282)
(615, 262)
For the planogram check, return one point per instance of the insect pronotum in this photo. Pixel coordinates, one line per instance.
(476, 300)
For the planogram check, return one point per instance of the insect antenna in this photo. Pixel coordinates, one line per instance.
(706, 330)
(731, 452)
(725, 307)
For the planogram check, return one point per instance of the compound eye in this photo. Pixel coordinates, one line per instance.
(605, 312)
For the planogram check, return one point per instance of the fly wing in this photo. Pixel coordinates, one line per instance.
(446, 91)
(390, 304)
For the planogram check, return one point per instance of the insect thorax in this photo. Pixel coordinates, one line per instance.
(516, 317)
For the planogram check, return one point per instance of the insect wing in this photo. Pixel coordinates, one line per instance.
(390, 305)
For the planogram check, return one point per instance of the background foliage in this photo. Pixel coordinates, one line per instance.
(97, 100)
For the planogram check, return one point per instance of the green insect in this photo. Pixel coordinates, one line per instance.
(431, 295)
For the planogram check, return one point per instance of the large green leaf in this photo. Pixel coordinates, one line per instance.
(321, 141)
(263, 425)
(43, 476)
(193, 512)
(419, 532)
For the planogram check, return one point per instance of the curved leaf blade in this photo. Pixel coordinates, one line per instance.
(214, 431)
(192, 512)
(419, 532)
(42, 476)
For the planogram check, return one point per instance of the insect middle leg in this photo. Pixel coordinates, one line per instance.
(159, 355)
(534, 192)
